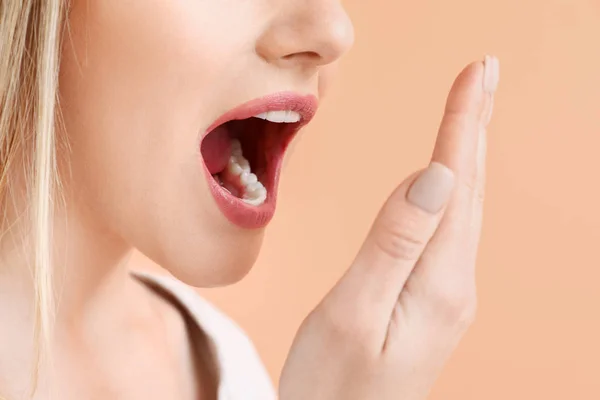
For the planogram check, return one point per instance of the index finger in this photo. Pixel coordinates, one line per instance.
(456, 144)
(450, 256)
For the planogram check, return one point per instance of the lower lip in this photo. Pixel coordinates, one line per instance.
(235, 209)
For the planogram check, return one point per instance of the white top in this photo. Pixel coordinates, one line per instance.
(242, 373)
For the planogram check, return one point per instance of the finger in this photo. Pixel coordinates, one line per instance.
(456, 143)
(400, 233)
(480, 184)
(393, 246)
(411, 216)
(445, 276)
(478, 192)
(461, 147)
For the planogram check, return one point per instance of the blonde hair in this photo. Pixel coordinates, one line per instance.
(30, 47)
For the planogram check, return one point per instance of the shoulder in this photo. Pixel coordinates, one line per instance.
(243, 375)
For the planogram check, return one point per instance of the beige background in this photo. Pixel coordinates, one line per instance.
(538, 330)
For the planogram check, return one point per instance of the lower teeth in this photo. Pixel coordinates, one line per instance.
(238, 174)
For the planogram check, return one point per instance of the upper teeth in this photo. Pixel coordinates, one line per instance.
(286, 117)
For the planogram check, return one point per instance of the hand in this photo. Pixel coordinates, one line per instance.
(386, 330)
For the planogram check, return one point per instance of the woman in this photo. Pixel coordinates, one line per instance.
(161, 125)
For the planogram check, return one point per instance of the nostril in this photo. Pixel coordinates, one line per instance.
(306, 55)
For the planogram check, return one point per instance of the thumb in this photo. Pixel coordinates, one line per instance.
(394, 244)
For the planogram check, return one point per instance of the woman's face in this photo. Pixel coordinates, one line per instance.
(143, 81)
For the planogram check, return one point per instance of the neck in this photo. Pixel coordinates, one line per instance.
(90, 275)
(97, 304)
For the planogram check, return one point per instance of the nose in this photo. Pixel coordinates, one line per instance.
(306, 34)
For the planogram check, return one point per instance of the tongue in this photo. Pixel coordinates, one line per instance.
(216, 149)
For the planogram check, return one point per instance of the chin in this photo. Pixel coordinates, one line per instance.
(215, 230)
(242, 154)
(226, 262)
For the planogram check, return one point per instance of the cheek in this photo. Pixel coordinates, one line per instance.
(137, 80)
(132, 80)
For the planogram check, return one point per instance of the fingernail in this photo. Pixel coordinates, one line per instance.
(491, 75)
(432, 189)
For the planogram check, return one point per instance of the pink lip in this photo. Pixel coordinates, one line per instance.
(234, 209)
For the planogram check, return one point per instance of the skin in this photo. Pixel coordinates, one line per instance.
(135, 112)
(139, 81)
(386, 330)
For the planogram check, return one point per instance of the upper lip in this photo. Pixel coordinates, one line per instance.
(305, 105)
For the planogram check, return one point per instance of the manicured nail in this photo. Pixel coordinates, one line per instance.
(491, 75)
(432, 189)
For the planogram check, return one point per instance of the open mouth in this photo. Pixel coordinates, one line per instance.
(243, 153)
